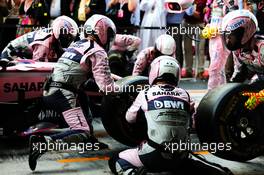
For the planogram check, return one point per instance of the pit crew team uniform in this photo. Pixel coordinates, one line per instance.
(81, 59)
(143, 61)
(38, 45)
(168, 112)
(217, 50)
(254, 62)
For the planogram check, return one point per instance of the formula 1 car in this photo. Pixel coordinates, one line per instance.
(221, 115)
(21, 105)
(20, 99)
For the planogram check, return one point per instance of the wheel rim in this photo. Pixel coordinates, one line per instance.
(242, 128)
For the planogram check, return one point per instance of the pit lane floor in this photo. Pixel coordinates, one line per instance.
(13, 156)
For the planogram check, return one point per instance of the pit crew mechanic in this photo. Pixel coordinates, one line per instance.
(240, 36)
(164, 45)
(80, 59)
(165, 123)
(44, 44)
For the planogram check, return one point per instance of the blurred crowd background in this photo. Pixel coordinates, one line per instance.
(144, 18)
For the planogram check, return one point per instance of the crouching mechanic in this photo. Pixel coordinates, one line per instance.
(164, 45)
(81, 59)
(168, 110)
(42, 45)
(239, 36)
(122, 54)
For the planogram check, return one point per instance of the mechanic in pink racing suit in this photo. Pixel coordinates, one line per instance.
(43, 45)
(122, 54)
(84, 58)
(164, 45)
(240, 27)
(217, 50)
(168, 110)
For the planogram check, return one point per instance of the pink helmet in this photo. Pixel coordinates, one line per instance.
(238, 27)
(64, 30)
(164, 65)
(102, 28)
(165, 44)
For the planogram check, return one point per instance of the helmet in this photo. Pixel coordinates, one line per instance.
(238, 27)
(177, 6)
(64, 30)
(102, 28)
(165, 44)
(164, 66)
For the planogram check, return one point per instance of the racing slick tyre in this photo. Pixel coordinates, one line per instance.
(223, 122)
(114, 109)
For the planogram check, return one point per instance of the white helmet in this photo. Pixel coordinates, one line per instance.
(64, 30)
(102, 28)
(177, 6)
(238, 27)
(165, 44)
(164, 65)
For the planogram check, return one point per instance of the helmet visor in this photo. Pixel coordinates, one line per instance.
(65, 38)
(232, 39)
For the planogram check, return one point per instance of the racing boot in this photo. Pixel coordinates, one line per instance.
(37, 147)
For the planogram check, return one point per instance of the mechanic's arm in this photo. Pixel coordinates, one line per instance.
(131, 114)
(126, 42)
(101, 72)
(140, 64)
(240, 70)
(40, 53)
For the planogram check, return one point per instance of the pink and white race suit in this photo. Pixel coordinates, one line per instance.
(217, 50)
(144, 59)
(253, 60)
(126, 43)
(80, 59)
(167, 110)
(37, 45)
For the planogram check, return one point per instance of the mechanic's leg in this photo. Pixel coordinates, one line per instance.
(179, 50)
(56, 100)
(125, 162)
(191, 166)
(85, 104)
(188, 52)
(201, 59)
(218, 55)
(64, 102)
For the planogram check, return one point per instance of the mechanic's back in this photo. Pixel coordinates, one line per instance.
(43, 45)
